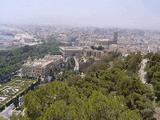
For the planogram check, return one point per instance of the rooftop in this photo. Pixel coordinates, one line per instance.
(103, 40)
(71, 48)
(44, 61)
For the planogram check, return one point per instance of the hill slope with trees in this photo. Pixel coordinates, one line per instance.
(111, 90)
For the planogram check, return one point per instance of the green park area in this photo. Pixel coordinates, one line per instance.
(13, 88)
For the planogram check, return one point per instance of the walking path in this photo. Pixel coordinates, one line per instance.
(76, 68)
(142, 72)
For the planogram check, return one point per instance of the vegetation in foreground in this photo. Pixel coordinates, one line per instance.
(110, 91)
(153, 73)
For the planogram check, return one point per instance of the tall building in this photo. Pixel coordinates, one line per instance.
(115, 37)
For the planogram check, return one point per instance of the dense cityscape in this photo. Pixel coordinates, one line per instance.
(128, 40)
(71, 49)
(80, 60)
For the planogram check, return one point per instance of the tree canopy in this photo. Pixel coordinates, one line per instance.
(107, 92)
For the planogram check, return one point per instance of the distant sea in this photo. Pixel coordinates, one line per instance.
(6, 37)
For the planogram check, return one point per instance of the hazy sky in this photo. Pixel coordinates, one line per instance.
(103, 13)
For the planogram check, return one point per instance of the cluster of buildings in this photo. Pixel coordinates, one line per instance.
(96, 49)
(46, 67)
(91, 43)
(11, 38)
(42, 68)
(26, 39)
(81, 52)
(128, 40)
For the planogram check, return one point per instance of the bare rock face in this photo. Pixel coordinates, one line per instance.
(157, 113)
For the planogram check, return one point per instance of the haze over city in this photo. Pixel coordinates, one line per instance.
(143, 14)
(79, 60)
